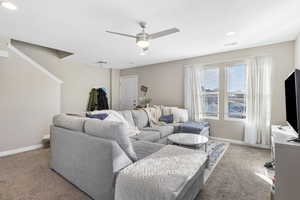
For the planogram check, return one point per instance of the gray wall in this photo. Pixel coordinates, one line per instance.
(166, 82)
(78, 78)
(297, 52)
(28, 100)
(115, 86)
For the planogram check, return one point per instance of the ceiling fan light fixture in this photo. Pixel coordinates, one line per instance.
(143, 38)
(8, 5)
(143, 43)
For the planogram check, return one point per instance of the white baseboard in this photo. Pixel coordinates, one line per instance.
(241, 143)
(20, 150)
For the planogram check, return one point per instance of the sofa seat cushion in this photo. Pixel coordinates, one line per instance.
(163, 130)
(112, 131)
(143, 148)
(163, 141)
(140, 118)
(70, 122)
(150, 136)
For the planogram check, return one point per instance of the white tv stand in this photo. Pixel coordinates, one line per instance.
(287, 163)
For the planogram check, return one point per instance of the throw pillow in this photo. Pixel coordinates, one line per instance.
(117, 117)
(100, 116)
(132, 130)
(167, 118)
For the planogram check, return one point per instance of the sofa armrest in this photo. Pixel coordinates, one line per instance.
(88, 162)
(205, 132)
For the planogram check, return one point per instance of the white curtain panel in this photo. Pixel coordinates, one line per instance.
(192, 92)
(258, 123)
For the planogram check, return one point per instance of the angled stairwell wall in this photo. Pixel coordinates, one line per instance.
(78, 78)
(35, 84)
(29, 97)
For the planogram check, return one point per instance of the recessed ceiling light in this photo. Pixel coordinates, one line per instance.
(8, 5)
(230, 33)
(231, 44)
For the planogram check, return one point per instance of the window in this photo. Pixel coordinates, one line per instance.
(224, 91)
(210, 92)
(236, 91)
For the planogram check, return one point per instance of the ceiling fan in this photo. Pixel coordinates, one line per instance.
(143, 38)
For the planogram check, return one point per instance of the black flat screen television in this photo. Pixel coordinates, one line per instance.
(292, 99)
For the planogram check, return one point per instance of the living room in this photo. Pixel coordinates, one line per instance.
(149, 100)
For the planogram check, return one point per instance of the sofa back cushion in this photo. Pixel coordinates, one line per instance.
(112, 131)
(179, 114)
(128, 116)
(70, 122)
(140, 118)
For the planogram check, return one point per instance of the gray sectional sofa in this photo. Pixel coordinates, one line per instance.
(159, 134)
(90, 153)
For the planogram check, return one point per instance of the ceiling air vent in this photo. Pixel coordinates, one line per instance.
(231, 44)
(102, 63)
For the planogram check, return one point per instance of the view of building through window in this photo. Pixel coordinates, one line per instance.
(234, 94)
(210, 92)
(236, 91)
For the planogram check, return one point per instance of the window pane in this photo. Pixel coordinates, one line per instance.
(237, 106)
(210, 80)
(236, 90)
(210, 105)
(237, 78)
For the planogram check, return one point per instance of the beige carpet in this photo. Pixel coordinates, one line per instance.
(26, 177)
(235, 177)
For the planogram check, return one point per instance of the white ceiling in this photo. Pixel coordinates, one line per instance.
(79, 26)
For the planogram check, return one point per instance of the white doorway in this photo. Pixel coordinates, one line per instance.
(128, 92)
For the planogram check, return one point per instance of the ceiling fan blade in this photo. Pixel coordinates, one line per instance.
(122, 34)
(163, 33)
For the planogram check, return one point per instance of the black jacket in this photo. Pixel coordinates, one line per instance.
(102, 100)
(98, 100)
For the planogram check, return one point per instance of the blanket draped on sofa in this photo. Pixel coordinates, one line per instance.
(154, 113)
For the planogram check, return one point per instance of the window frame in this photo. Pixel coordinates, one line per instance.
(204, 115)
(227, 93)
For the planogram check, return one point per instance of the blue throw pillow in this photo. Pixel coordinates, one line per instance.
(166, 118)
(100, 116)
